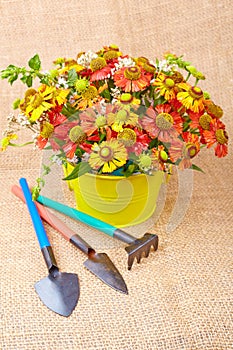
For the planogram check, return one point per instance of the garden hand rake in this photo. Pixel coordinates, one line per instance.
(137, 246)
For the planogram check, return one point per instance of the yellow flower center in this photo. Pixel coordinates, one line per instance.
(30, 92)
(81, 85)
(90, 93)
(132, 73)
(111, 54)
(100, 121)
(98, 63)
(204, 121)
(47, 130)
(77, 135)
(177, 77)
(114, 47)
(215, 110)
(36, 101)
(149, 67)
(122, 115)
(163, 156)
(126, 98)
(142, 60)
(195, 92)
(169, 83)
(221, 136)
(106, 153)
(164, 121)
(145, 161)
(190, 150)
(127, 137)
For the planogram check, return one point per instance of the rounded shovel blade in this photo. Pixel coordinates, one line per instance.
(59, 292)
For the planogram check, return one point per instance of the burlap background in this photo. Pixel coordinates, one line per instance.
(181, 296)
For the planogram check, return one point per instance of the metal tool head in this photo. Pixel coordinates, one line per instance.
(59, 292)
(103, 268)
(141, 247)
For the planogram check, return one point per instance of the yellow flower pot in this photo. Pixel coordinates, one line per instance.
(116, 200)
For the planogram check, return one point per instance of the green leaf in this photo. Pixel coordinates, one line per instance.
(70, 112)
(12, 78)
(47, 169)
(79, 170)
(158, 101)
(16, 103)
(72, 77)
(147, 103)
(45, 80)
(106, 94)
(195, 167)
(29, 81)
(5, 73)
(34, 62)
(130, 170)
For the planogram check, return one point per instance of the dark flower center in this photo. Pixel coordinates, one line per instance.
(195, 92)
(164, 121)
(132, 73)
(106, 153)
(77, 135)
(98, 63)
(221, 136)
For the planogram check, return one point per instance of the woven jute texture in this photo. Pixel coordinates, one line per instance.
(181, 296)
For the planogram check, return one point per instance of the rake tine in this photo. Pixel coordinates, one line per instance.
(130, 261)
(140, 247)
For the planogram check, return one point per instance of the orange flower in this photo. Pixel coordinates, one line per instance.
(217, 134)
(184, 150)
(93, 120)
(132, 79)
(162, 123)
(100, 69)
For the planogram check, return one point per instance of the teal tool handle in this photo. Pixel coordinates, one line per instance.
(78, 215)
(36, 220)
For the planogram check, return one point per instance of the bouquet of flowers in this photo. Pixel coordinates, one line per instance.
(107, 113)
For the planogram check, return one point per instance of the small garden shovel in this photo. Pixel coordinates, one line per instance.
(59, 291)
(97, 263)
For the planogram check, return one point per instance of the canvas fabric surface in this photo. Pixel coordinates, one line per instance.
(180, 297)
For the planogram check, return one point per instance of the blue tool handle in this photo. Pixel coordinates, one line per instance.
(78, 215)
(36, 220)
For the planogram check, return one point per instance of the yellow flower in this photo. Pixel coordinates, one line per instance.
(122, 117)
(70, 64)
(192, 98)
(60, 96)
(6, 141)
(166, 86)
(87, 98)
(40, 102)
(109, 156)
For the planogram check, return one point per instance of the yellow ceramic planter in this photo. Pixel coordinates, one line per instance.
(117, 200)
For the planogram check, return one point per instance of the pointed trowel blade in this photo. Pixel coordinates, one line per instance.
(103, 268)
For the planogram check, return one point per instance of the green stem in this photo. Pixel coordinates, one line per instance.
(20, 145)
(188, 76)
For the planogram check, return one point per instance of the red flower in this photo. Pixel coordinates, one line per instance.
(48, 127)
(132, 79)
